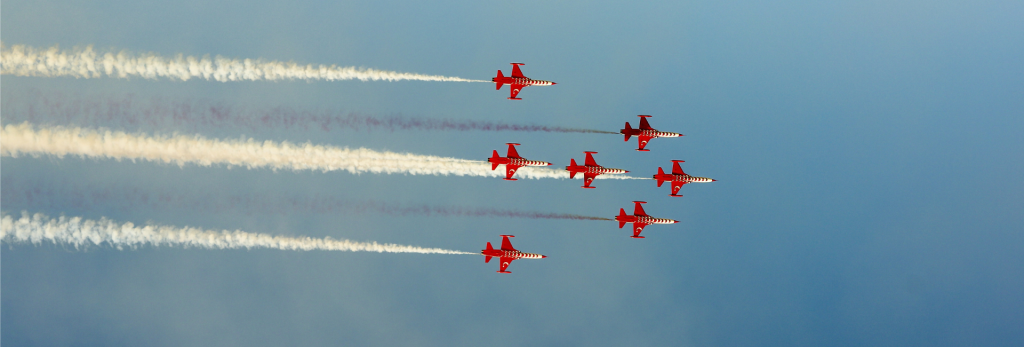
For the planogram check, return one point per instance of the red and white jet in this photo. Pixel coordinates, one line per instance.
(512, 161)
(517, 81)
(507, 254)
(640, 219)
(645, 133)
(678, 177)
(590, 169)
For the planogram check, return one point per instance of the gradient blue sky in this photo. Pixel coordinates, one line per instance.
(868, 153)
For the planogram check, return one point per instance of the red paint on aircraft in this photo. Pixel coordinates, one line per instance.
(517, 81)
(512, 161)
(640, 219)
(678, 178)
(645, 133)
(506, 254)
(590, 169)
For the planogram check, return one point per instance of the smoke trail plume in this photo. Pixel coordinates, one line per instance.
(56, 196)
(21, 60)
(82, 233)
(129, 112)
(197, 150)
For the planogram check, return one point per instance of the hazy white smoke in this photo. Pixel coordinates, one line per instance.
(83, 233)
(21, 60)
(180, 149)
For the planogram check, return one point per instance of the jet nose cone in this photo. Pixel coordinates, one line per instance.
(675, 221)
(543, 256)
(713, 180)
(553, 83)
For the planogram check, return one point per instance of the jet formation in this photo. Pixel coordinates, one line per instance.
(590, 170)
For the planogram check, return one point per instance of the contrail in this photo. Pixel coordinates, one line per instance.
(82, 233)
(180, 149)
(128, 198)
(132, 113)
(21, 60)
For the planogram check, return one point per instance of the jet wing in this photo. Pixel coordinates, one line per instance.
(643, 123)
(504, 264)
(676, 185)
(512, 152)
(515, 71)
(511, 170)
(637, 228)
(639, 210)
(506, 245)
(588, 178)
(676, 170)
(642, 140)
(590, 159)
(514, 91)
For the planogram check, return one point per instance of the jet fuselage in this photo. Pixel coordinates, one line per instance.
(524, 81)
(681, 178)
(644, 219)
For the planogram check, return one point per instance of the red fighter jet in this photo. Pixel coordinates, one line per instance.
(678, 177)
(507, 254)
(640, 219)
(517, 81)
(512, 162)
(645, 133)
(590, 169)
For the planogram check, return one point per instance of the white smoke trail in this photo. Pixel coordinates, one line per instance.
(81, 233)
(181, 150)
(21, 60)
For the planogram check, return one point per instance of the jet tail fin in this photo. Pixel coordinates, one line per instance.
(487, 259)
(622, 213)
(489, 247)
(572, 174)
(499, 84)
(494, 160)
(627, 131)
(660, 172)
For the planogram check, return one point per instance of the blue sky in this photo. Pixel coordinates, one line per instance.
(867, 153)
